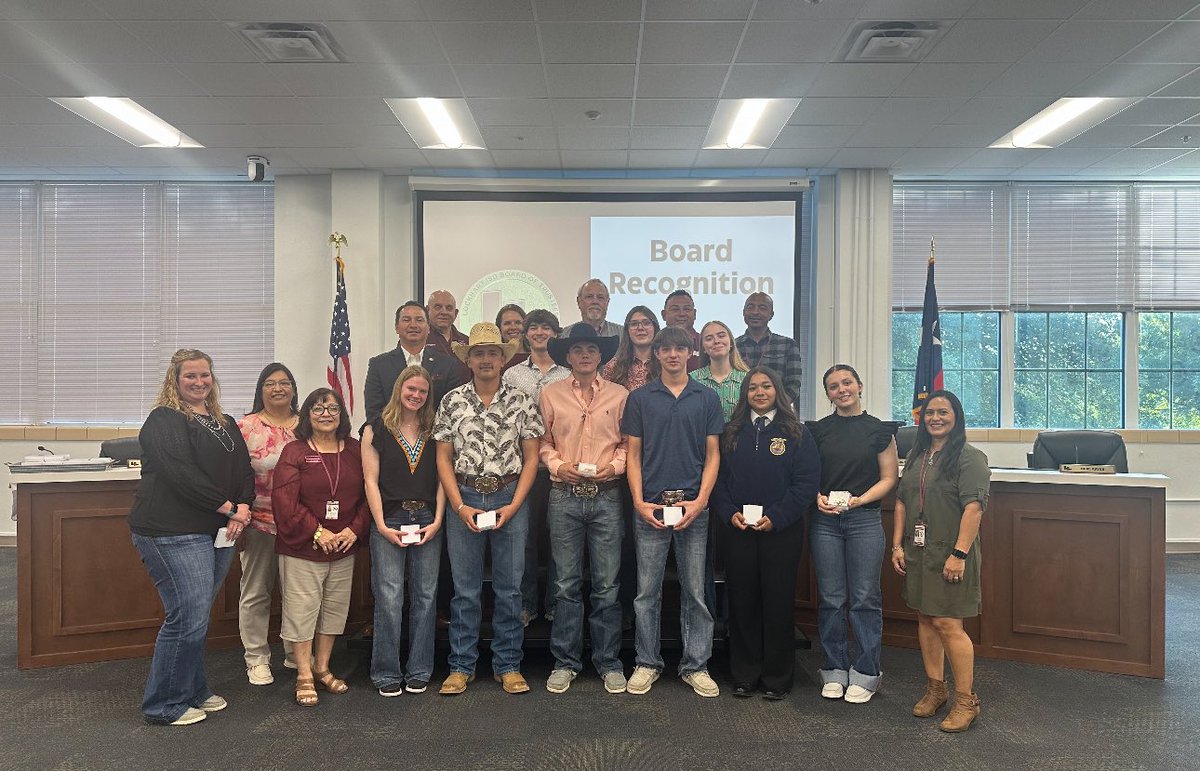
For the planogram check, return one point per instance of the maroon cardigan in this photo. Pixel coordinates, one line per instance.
(300, 489)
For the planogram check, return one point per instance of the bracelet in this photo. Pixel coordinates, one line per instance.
(317, 535)
(897, 548)
(458, 509)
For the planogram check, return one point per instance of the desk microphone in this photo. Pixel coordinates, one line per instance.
(45, 450)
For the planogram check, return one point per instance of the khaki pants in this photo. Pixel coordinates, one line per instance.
(259, 570)
(316, 596)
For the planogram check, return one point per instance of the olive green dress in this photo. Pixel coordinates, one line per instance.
(946, 495)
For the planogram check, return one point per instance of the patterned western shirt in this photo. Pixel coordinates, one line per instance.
(487, 440)
(780, 354)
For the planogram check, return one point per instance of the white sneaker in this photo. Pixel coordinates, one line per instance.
(856, 694)
(832, 690)
(213, 703)
(560, 680)
(702, 684)
(260, 674)
(192, 715)
(642, 679)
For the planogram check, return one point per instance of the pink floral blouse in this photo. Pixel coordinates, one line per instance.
(265, 443)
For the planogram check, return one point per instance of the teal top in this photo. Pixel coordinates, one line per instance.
(728, 389)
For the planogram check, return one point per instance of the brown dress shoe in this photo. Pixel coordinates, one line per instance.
(964, 712)
(934, 699)
(456, 683)
(512, 682)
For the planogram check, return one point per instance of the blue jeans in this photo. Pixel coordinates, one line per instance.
(389, 563)
(695, 622)
(466, 549)
(847, 553)
(594, 524)
(188, 572)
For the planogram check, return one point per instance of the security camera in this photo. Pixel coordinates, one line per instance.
(256, 168)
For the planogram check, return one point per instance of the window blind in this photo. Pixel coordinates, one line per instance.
(1168, 247)
(18, 302)
(970, 223)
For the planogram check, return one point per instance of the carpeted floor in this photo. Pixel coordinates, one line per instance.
(1034, 717)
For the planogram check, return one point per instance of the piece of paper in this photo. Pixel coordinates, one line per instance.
(485, 520)
(410, 534)
(751, 513)
(223, 541)
(587, 469)
(672, 515)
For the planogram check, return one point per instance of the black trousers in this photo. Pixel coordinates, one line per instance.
(760, 581)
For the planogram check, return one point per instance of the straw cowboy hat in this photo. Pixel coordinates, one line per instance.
(485, 333)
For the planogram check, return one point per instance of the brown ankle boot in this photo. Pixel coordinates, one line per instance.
(934, 699)
(964, 712)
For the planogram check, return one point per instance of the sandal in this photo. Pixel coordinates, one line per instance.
(331, 683)
(306, 692)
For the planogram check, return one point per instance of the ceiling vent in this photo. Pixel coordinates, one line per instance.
(902, 42)
(286, 43)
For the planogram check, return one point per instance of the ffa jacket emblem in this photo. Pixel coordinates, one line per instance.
(778, 445)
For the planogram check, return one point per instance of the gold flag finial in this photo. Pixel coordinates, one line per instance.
(932, 248)
(338, 241)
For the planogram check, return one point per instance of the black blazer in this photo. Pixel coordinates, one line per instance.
(382, 371)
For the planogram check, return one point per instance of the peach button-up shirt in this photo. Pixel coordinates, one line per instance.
(579, 432)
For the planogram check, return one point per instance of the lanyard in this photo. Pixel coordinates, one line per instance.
(926, 462)
(333, 480)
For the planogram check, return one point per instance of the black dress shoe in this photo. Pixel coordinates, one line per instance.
(742, 690)
(774, 695)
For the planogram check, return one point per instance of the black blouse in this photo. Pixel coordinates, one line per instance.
(399, 478)
(850, 447)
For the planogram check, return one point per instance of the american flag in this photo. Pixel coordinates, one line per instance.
(339, 342)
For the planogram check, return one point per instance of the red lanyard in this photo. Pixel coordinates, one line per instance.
(333, 480)
(926, 462)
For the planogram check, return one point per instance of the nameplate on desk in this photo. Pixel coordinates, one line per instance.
(1087, 468)
(134, 463)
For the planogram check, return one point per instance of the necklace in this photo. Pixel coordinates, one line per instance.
(217, 429)
(289, 423)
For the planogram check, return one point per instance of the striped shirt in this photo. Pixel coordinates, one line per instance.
(728, 389)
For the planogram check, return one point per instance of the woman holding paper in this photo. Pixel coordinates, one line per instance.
(196, 487)
(858, 468)
(400, 467)
(321, 514)
(769, 474)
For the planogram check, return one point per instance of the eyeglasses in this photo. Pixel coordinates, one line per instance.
(326, 409)
(277, 384)
(641, 325)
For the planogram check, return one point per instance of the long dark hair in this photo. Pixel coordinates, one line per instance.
(304, 427)
(269, 370)
(785, 415)
(623, 360)
(948, 457)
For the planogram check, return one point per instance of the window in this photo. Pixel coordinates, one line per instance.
(1169, 370)
(120, 276)
(1068, 371)
(970, 363)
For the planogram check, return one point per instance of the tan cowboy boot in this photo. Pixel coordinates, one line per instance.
(964, 712)
(936, 696)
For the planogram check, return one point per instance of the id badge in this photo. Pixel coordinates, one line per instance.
(919, 534)
(331, 509)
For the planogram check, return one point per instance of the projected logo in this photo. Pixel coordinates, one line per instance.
(495, 290)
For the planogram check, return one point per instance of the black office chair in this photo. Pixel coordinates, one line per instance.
(1097, 448)
(121, 450)
(906, 437)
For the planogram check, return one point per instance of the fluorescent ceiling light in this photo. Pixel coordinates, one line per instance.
(748, 124)
(1061, 122)
(127, 120)
(438, 124)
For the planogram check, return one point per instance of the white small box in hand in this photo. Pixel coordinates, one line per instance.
(410, 534)
(672, 515)
(587, 469)
(485, 520)
(839, 499)
(751, 513)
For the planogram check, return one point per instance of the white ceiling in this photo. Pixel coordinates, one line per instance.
(654, 69)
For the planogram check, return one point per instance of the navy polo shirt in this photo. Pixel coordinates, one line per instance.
(673, 433)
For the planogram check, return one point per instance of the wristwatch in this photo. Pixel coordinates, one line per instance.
(962, 555)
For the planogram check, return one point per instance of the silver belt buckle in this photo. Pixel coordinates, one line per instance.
(486, 484)
(672, 497)
(585, 490)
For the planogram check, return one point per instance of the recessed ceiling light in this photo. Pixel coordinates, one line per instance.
(748, 124)
(438, 124)
(1062, 121)
(127, 120)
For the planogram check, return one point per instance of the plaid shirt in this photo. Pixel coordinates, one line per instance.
(780, 354)
(728, 389)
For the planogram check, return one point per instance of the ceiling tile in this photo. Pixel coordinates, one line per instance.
(520, 80)
(327, 158)
(137, 80)
(833, 111)
(365, 111)
(933, 158)
(797, 158)
(913, 9)
(519, 138)
(1141, 159)
(593, 138)
(689, 42)
(1025, 9)
(527, 159)
(860, 79)
(60, 79)
(478, 10)
(33, 109)
(489, 43)
(686, 10)
(1004, 114)
(1092, 41)
(680, 81)
(595, 159)
(1157, 112)
(20, 45)
(1186, 86)
(571, 112)
(1112, 136)
(666, 137)
(1166, 10)
(1179, 42)
(274, 10)
(377, 157)
(661, 159)
(1180, 137)
(923, 110)
(775, 81)
(965, 79)
(675, 112)
(766, 10)
(588, 10)
(780, 42)
(865, 158)
(78, 134)
(364, 10)
(226, 135)
(86, 41)
(192, 41)
(78, 10)
(387, 42)
(362, 80)
(511, 112)
(595, 43)
(1002, 159)
(807, 137)
(1125, 80)
(590, 80)
(717, 159)
(165, 10)
(888, 133)
(234, 79)
(947, 135)
(1190, 161)
(991, 41)
(1028, 79)
(358, 135)
(1064, 157)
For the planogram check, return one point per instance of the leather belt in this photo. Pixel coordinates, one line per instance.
(486, 484)
(585, 489)
(672, 497)
(415, 505)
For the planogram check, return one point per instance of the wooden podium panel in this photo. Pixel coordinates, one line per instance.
(82, 592)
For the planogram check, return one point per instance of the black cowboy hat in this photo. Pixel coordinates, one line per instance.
(582, 333)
